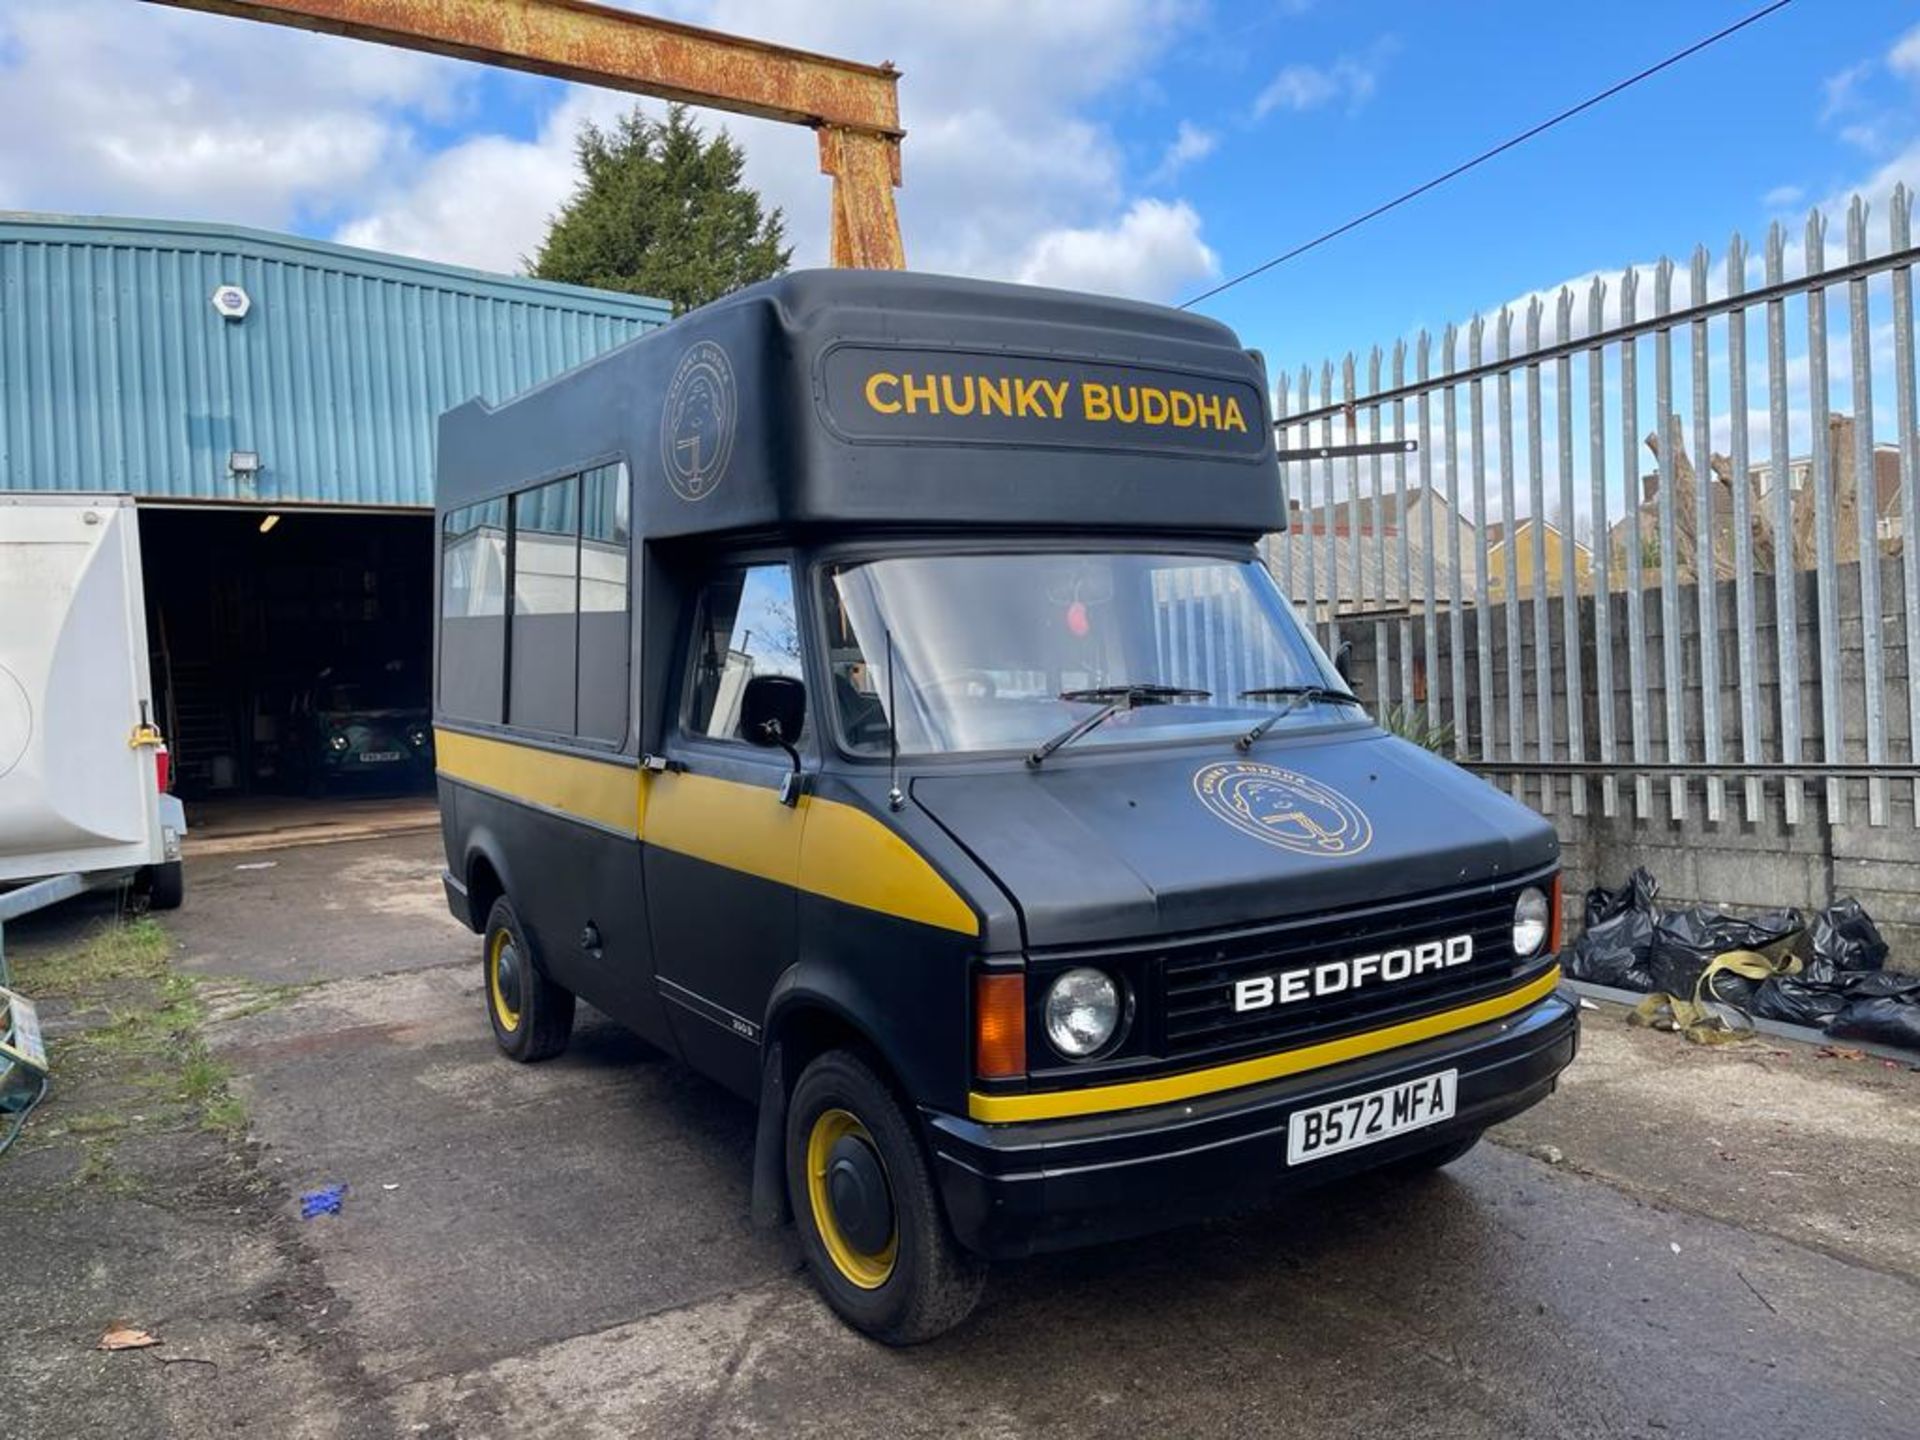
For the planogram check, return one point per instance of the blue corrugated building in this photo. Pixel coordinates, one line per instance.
(143, 356)
(272, 402)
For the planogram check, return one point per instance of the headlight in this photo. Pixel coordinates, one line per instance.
(338, 741)
(1084, 1011)
(1531, 922)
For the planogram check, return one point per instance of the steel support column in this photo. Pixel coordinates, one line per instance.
(854, 107)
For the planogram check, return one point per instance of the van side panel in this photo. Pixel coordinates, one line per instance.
(563, 873)
(75, 792)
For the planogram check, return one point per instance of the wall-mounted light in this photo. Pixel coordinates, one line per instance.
(268, 523)
(231, 302)
(243, 463)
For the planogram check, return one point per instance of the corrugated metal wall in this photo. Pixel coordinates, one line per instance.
(117, 374)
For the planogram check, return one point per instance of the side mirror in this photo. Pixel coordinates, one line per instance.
(1341, 657)
(772, 710)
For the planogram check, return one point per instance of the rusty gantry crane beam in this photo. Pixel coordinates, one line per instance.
(853, 108)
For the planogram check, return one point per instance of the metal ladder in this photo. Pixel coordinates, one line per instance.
(24, 1073)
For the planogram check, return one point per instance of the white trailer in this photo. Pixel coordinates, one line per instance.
(83, 766)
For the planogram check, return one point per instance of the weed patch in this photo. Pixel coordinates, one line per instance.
(142, 1066)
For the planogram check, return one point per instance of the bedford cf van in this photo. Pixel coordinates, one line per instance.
(866, 689)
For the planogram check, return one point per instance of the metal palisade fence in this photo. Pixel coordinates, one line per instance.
(1638, 547)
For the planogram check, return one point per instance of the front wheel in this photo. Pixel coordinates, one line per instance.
(868, 1214)
(532, 1017)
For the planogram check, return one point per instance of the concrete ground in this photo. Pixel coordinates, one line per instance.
(1681, 1242)
(241, 823)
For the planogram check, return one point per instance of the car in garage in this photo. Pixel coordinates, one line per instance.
(363, 726)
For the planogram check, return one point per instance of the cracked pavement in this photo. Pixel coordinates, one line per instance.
(1727, 1243)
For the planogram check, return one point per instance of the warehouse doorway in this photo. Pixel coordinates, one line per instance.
(291, 650)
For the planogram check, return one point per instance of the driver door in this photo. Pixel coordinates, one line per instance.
(722, 852)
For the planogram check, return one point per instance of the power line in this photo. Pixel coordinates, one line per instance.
(1486, 155)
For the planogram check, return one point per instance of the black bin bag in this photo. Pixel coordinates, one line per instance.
(1685, 942)
(1879, 1019)
(1796, 1002)
(1614, 951)
(1637, 894)
(1843, 937)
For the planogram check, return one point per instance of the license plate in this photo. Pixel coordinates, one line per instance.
(1364, 1119)
(381, 757)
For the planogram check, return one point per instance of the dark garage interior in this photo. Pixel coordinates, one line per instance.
(291, 649)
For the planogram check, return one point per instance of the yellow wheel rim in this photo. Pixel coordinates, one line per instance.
(867, 1270)
(508, 1017)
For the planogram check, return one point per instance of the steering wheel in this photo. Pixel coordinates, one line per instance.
(979, 684)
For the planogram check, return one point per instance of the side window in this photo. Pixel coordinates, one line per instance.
(546, 599)
(746, 627)
(473, 611)
(605, 645)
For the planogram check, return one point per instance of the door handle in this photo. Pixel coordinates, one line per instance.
(663, 765)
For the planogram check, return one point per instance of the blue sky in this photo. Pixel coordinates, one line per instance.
(1141, 146)
(1741, 134)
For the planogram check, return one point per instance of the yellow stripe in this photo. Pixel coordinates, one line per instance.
(1132, 1094)
(605, 792)
(820, 846)
(852, 857)
(727, 822)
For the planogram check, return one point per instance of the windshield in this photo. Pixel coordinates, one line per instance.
(388, 688)
(987, 648)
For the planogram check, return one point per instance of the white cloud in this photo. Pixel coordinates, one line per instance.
(1151, 253)
(1841, 92)
(1904, 57)
(1008, 170)
(1783, 197)
(486, 201)
(1300, 88)
(998, 148)
(1189, 144)
(1866, 136)
(134, 109)
(1297, 87)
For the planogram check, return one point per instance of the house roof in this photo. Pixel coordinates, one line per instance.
(1315, 521)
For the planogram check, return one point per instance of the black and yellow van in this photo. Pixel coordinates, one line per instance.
(865, 688)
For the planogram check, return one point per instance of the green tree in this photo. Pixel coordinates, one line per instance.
(660, 211)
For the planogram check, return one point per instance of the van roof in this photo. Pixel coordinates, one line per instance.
(848, 398)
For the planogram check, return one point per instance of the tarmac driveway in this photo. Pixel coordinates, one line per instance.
(564, 1249)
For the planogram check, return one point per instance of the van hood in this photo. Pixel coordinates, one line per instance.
(1126, 847)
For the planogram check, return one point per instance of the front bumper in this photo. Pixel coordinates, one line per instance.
(1048, 1185)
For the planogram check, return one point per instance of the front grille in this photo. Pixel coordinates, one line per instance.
(1186, 984)
(1195, 980)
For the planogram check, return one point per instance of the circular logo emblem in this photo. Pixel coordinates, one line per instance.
(696, 428)
(1283, 808)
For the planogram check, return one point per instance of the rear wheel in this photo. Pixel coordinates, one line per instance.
(166, 886)
(532, 1017)
(867, 1210)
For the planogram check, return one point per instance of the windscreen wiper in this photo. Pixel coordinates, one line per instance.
(1111, 699)
(1295, 696)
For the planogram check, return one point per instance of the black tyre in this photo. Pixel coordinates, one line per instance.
(1424, 1162)
(532, 1017)
(869, 1216)
(166, 886)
